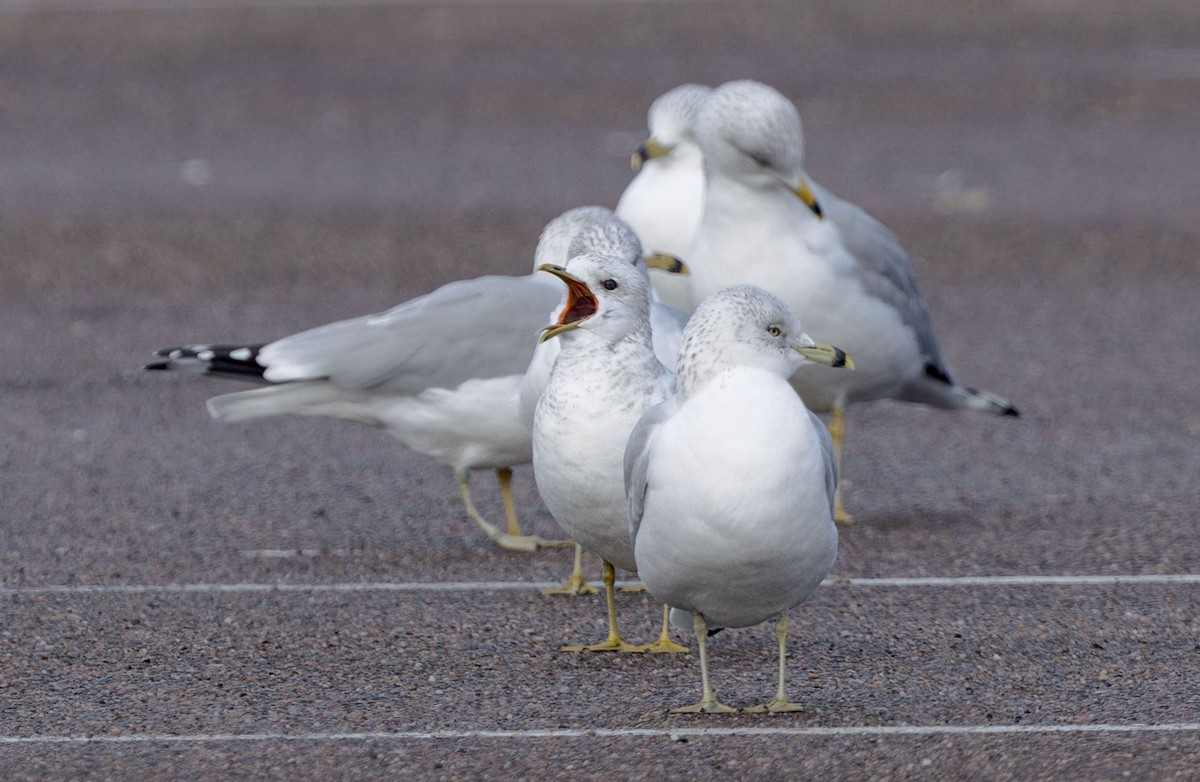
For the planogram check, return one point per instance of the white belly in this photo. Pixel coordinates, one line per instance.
(737, 523)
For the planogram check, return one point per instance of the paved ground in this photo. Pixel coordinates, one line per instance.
(218, 174)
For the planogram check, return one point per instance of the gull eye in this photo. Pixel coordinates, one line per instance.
(774, 331)
(609, 285)
(760, 159)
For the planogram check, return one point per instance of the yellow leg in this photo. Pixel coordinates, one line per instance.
(504, 478)
(576, 583)
(614, 642)
(708, 702)
(503, 540)
(664, 644)
(780, 702)
(837, 428)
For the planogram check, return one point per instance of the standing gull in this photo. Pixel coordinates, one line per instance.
(763, 223)
(606, 235)
(731, 482)
(662, 203)
(441, 372)
(605, 377)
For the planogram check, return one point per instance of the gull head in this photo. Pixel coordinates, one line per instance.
(555, 242)
(606, 296)
(610, 236)
(751, 133)
(672, 120)
(746, 326)
(613, 236)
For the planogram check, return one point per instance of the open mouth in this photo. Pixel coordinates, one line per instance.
(581, 303)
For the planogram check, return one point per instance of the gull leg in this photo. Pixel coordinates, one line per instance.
(664, 644)
(837, 428)
(501, 539)
(780, 702)
(576, 583)
(504, 478)
(708, 702)
(614, 642)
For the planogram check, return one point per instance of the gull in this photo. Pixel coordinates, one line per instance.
(609, 235)
(605, 376)
(763, 222)
(731, 481)
(441, 373)
(662, 202)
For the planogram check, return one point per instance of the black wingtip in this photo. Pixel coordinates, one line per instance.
(157, 365)
(1011, 412)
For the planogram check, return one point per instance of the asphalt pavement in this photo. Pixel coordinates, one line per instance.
(303, 599)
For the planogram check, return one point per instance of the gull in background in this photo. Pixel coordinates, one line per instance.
(763, 222)
(662, 203)
(441, 373)
(731, 482)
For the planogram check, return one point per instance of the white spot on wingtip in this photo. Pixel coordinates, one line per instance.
(206, 355)
(174, 354)
(241, 354)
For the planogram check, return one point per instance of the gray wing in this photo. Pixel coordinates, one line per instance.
(830, 457)
(479, 328)
(888, 272)
(637, 460)
(666, 329)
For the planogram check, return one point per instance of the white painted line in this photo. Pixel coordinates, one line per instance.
(511, 586)
(20, 6)
(673, 734)
(969, 581)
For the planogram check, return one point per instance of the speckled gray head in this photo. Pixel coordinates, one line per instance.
(672, 120)
(555, 241)
(750, 132)
(606, 295)
(611, 236)
(746, 326)
(672, 116)
(746, 122)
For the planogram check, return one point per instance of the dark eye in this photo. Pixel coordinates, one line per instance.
(609, 285)
(762, 160)
(774, 331)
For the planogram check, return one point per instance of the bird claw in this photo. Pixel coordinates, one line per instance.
(575, 586)
(526, 542)
(776, 706)
(664, 646)
(706, 706)
(610, 644)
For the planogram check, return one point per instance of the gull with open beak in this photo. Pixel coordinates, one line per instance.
(730, 483)
(606, 235)
(606, 375)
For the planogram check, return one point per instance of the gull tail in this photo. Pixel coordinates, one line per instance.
(308, 397)
(938, 389)
(987, 402)
(240, 361)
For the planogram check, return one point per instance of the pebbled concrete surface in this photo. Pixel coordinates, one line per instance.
(228, 174)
